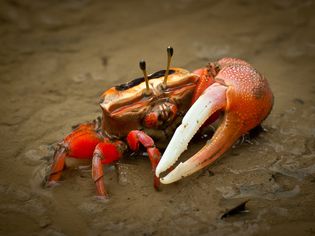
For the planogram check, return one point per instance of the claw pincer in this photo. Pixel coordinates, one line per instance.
(241, 93)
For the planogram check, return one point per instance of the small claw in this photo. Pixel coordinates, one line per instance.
(137, 137)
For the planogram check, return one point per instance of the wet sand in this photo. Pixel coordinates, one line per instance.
(57, 58)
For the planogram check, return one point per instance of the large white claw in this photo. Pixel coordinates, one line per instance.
(199, 112)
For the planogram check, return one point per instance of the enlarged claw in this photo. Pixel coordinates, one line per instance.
(246, 99)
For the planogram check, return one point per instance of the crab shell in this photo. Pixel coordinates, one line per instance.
(125, 106)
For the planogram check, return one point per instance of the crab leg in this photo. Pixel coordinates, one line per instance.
(58, 165)
(105, 152)
(98, 174)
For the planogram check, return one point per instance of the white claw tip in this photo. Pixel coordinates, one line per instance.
(181, 171)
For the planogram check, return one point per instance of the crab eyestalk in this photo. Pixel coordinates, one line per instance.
(145, 75)
(170, 52)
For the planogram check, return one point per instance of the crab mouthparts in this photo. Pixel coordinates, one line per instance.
(212, 100)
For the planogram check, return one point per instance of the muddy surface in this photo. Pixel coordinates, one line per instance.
(56, 58)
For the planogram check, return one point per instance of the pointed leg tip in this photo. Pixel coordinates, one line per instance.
(101, 192)
(104, 198)
(51, 184)
(157, 188)
(156, 183)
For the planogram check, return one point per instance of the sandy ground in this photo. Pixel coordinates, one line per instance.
(57, 57)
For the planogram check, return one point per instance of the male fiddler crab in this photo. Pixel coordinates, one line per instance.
(148, 110)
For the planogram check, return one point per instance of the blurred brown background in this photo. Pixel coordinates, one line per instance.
(56, 58)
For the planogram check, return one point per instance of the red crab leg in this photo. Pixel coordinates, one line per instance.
(105, 153)
(79, 144)
(85, 143)
(58, 164)
(134, 138)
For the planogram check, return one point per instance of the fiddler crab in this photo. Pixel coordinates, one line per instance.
(147, 110)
